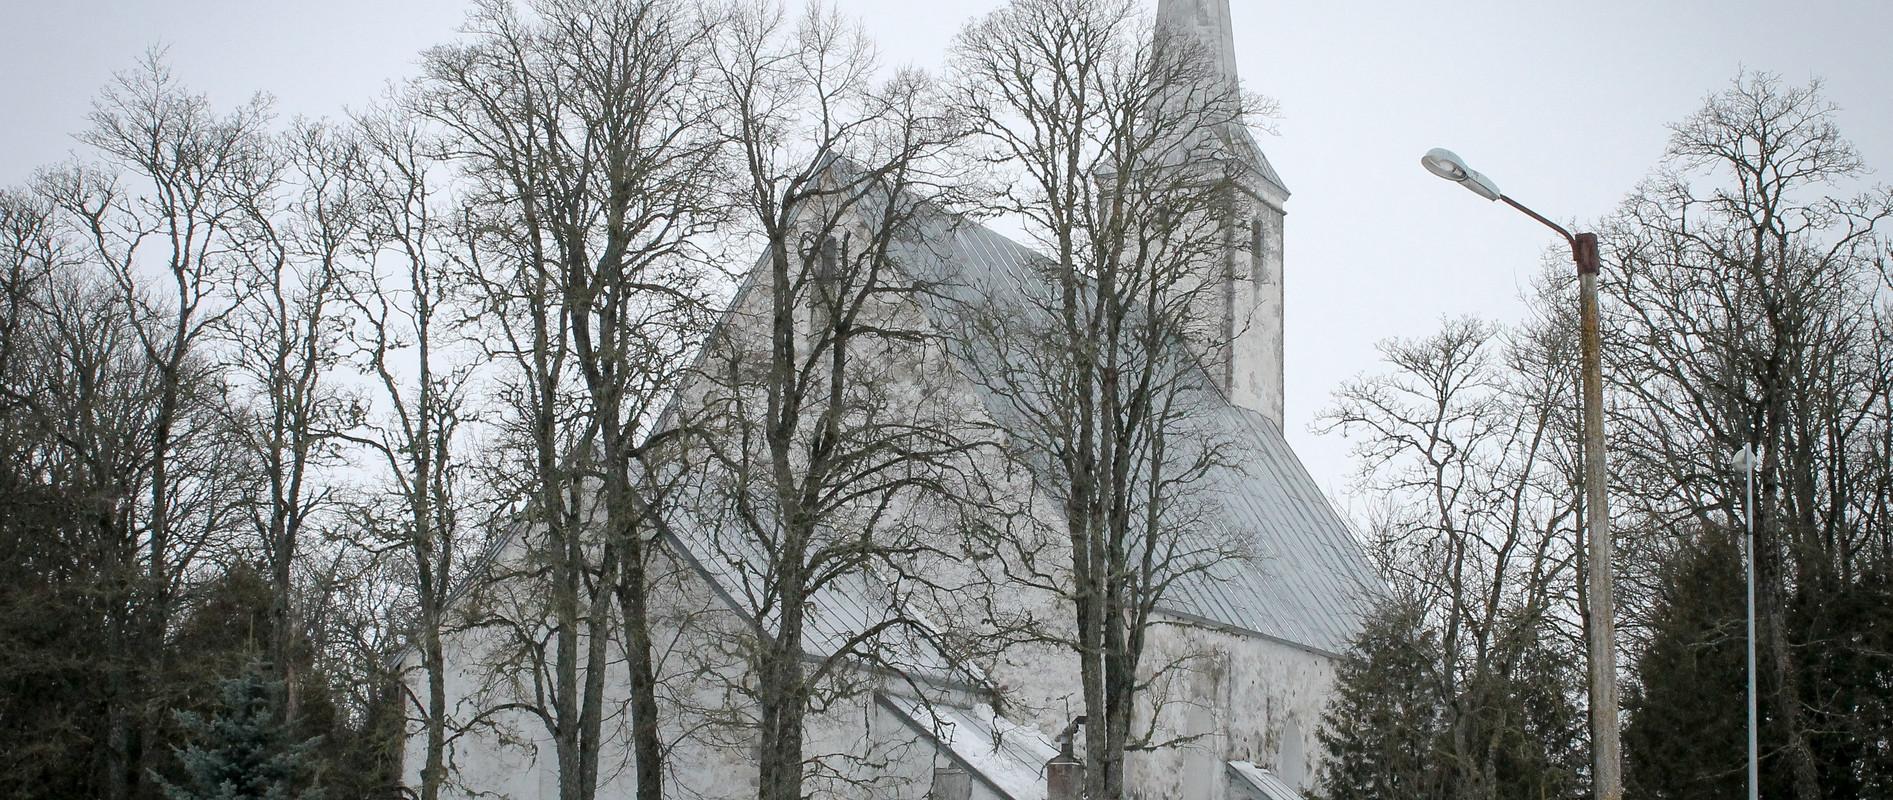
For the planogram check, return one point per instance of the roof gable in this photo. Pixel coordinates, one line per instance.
(1307, 578)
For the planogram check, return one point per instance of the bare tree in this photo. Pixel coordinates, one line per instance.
(410, 304)
(280, 339)
(826, 435)
(31, 250)
(584, 124)
(1469, 446)
(73, 438)
(1749, 312)
(167, 240)
(492, 95)
(1122, 145)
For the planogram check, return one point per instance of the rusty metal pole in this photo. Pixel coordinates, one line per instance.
(1607, 774)
(1606, 751)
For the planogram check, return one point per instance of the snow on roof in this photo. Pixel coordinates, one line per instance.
(1009, 758)
(1256, 783)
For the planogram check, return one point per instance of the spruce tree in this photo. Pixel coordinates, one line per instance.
(1386, 718)
(1686, 738)
(241, 750)
(1848, 663)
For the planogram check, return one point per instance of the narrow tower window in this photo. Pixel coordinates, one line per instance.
(825, 264)
(1259, 268)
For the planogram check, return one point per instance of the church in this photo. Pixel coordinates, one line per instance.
(1263, 634)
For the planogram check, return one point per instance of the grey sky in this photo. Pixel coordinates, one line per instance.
(1562, 103)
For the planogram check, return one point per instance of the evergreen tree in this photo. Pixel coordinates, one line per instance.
(1686, 738)
(1687, 733)
(241, 750)
(56, 655)
(1390, 729)
(1542, 737)
(1848, 661)
(1382, 728)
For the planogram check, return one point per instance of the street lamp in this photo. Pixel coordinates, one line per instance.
(1745, 461)
(1608, 765)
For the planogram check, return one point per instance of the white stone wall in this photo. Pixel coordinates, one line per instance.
(1243, 698)
(1257, 379)
(867, 753)
(1240, 696)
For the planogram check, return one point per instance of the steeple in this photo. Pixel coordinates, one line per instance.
(1248, 362)
(1209, 24)
(1207, 21)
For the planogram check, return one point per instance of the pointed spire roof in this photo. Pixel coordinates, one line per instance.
(1209, 22)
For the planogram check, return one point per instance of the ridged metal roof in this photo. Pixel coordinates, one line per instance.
(733, 562)
(1304, 578)
(1008, 757)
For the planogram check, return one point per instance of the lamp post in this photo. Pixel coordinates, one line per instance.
(1745, 461)
(1607, 768)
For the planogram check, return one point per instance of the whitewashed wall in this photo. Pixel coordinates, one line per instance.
(1238, 697)
(1245, 698)
(870, 754)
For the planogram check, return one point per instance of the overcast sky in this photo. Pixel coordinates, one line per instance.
(1563, 104)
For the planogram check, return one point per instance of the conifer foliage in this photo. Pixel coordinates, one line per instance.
(1401, 726)
(1690, 678)
(241, 750)
(1383, 723)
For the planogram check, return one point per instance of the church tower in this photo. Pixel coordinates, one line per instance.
(1249, 365)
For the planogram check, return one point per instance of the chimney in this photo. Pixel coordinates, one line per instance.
(951, 783)
(1065, 774)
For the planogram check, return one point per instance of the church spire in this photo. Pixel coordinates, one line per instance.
(1208, 24)
(1207, 21)
(1247, 361)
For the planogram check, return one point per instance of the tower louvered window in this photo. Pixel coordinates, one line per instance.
(1259, 268)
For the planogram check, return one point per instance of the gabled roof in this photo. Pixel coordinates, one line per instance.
(1009, 758)
(1250, 782)
(1306, 578)
(1304, 583)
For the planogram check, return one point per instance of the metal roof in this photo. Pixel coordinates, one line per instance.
(1251, 782)
(838, 611)
(1305, 579)
(1008, 757)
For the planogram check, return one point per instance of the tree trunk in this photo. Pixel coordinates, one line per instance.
(646, 745)
(434, 770)
(781, 694)
(1772, 611)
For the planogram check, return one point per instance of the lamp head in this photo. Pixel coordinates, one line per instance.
(1447, 164)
